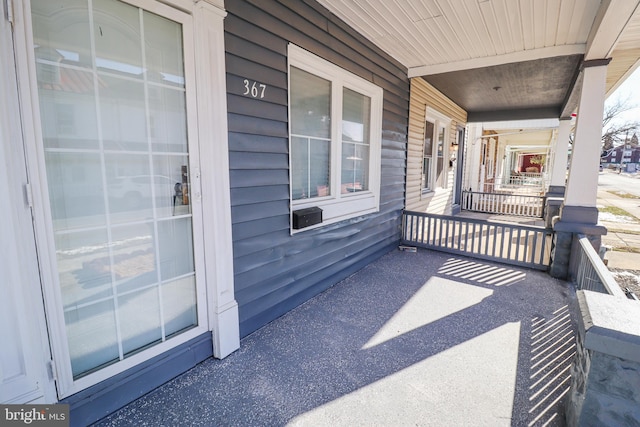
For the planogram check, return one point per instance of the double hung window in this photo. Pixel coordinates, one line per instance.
(436, 136)
(335, 130)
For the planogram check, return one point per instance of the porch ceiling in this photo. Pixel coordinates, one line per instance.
(502, 59)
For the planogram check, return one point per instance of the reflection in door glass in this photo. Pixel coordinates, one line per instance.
(113, 113)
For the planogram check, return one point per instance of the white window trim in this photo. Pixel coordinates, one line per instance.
(338, 207)
(439, 120)
(217, 308)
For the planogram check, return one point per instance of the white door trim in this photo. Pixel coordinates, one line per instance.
(26, 379)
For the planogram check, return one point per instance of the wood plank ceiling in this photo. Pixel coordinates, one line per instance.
(530, 50)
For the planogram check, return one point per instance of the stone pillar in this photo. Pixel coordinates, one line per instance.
(605, 374)
(578, 213)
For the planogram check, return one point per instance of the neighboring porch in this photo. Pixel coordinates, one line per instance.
(423, 338)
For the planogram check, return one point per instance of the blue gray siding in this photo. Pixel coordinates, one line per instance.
(275, 271)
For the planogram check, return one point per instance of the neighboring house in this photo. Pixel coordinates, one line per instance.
(179, 173)
(625, 154)
(503, 156)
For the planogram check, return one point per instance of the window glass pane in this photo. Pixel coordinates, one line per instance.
(427, 155)
(60, 36)
(426, 173)
(176, 247)
(310, 135)
(129, 187)
(76, 192)
(428, 139)
(123, 113)
(440, 180)
(310, 104)
(171, 185)
(83, 266)
(356, 113)
(179, 305)
(163, 50)
(68, 109)
(92, 337)
(310, 167)
(116, 30)
(167, 121)
(134, 256)
(140, 319)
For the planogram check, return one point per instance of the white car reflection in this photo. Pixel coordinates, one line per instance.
(134, 192)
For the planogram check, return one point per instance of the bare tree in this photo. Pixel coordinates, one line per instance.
(616, 131)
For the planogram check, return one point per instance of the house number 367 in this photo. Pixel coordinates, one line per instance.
(254, 89)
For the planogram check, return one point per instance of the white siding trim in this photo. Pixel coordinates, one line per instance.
(216, 198)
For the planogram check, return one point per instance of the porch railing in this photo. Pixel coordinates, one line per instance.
(521, 183)
(503, 203)
(591, 273)
(515, 244)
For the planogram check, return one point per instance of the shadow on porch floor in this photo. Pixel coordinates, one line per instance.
(420, 338)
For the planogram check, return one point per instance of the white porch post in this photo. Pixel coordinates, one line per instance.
(560, 152)
(578, 213)
(582, 184)
(473, 157)
(214, 151)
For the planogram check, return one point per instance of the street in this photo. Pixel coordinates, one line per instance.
(621, 191)
(610, 180)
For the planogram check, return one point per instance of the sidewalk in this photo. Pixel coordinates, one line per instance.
(420, 339)
(623, 236)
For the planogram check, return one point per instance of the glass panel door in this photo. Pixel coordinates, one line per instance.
(112, 96)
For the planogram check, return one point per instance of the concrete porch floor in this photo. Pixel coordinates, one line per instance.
(420, 339)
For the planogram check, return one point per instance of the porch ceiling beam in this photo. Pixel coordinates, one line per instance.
(514, 114)
(611, 20)
(489, 61)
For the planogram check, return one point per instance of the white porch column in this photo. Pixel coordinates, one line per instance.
(578, 213)
(474, 145)
(560, 152)
(582, 184)
(214, 152)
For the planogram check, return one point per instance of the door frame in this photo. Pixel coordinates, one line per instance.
(217, 308)
(19, 261)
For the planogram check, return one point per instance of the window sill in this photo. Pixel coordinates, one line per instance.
(340, 209)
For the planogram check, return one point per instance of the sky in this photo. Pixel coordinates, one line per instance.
(629, 89)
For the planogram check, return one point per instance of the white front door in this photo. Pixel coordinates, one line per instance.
(24, 351)
(120, 227)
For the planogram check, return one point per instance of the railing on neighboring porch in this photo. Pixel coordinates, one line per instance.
(503, 203)
(591, 273)
(515, 244)
(521, 183)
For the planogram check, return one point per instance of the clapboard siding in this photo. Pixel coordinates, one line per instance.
(265, 193)
(252, 178)
(257, 143)
(256, 125)
(253, 108)
(294, 264)
(274, 270)
(423, 95)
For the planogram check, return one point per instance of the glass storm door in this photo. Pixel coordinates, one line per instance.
(112, 85)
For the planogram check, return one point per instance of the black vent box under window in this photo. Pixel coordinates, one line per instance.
(306, 217)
